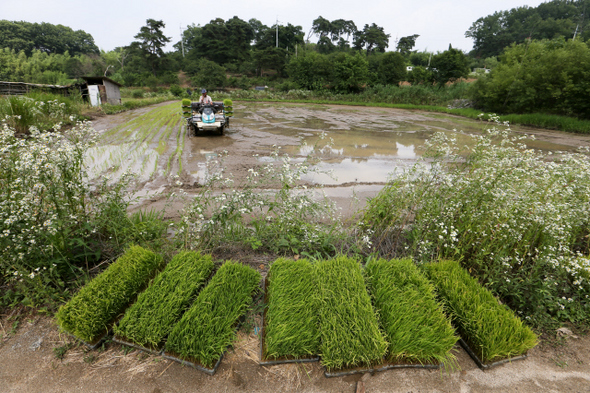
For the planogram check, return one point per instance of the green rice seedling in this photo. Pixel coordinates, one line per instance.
(416, 327)
(349, 329)
(229, 108)
(209, 326)
(88, 315)
(159, 307)
(291, 321)
(491, 329)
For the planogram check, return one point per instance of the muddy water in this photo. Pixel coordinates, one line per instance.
(359, 148)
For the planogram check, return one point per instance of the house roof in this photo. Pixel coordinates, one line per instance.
(99, 79)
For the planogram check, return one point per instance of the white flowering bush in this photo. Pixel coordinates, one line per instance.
(516, 217)
(42, 199)
(270, 211)
(54, 223)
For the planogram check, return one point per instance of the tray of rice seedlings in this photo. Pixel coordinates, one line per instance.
(491, 333)
(150, 319)
(89, 315)
(419, 333)
(351, 341)
(209, 327)
(290, 321)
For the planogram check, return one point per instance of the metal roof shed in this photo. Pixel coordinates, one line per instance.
(100, 89)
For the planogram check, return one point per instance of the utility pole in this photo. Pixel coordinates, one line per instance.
(181, 40)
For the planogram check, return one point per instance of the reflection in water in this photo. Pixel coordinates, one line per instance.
(350, 170)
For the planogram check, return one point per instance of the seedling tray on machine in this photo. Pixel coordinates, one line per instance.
(486, 366)
(282, 360)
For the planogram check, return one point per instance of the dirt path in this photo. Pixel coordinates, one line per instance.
(28, 363)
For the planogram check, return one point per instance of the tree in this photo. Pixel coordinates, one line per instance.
(270, 58)
(152, 42)
(371, 38)
(551, 76)
(45, 37)
(449, 66)
(310, 70)
(405, 44)
(392, 68)
(557, 18)
(210, 75)
(331, 34)
(350, 73)
(289, 37)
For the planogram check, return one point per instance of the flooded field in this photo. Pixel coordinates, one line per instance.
(359, 147)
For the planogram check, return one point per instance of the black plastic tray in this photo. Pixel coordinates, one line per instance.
(123, 341)
(210, 371)
(485, 366)
(95, 344)
(285, 360)
(377, 368)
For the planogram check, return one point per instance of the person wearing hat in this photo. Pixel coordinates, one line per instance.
(205, 99)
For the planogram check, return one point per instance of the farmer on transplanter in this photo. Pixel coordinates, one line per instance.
(205, 99)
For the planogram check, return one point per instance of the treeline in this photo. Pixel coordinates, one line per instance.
(520, 46)
(557, 18)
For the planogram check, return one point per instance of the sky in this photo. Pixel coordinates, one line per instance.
(113, 23)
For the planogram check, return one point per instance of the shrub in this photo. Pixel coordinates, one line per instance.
(137, 93)
(176, 90)
(89, 314)
(209, 326)
(292, 315)
(491, 330)
(547, 76)
(416, 328)
(288, 220)
(157, 309)
(349, 328)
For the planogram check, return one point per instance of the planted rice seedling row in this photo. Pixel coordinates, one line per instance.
(209, 326)
(490, 329)
(290, 330)
(90, 314)
(415, 325)
(158, 308)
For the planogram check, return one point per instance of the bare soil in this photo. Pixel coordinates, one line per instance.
(28, 363)
(368, 142)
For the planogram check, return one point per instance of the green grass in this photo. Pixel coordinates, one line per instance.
(491, 329)
(88, 315)
(291, 323)
(349, 327)
(158, 308)
(209, 326)
(416, 328)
